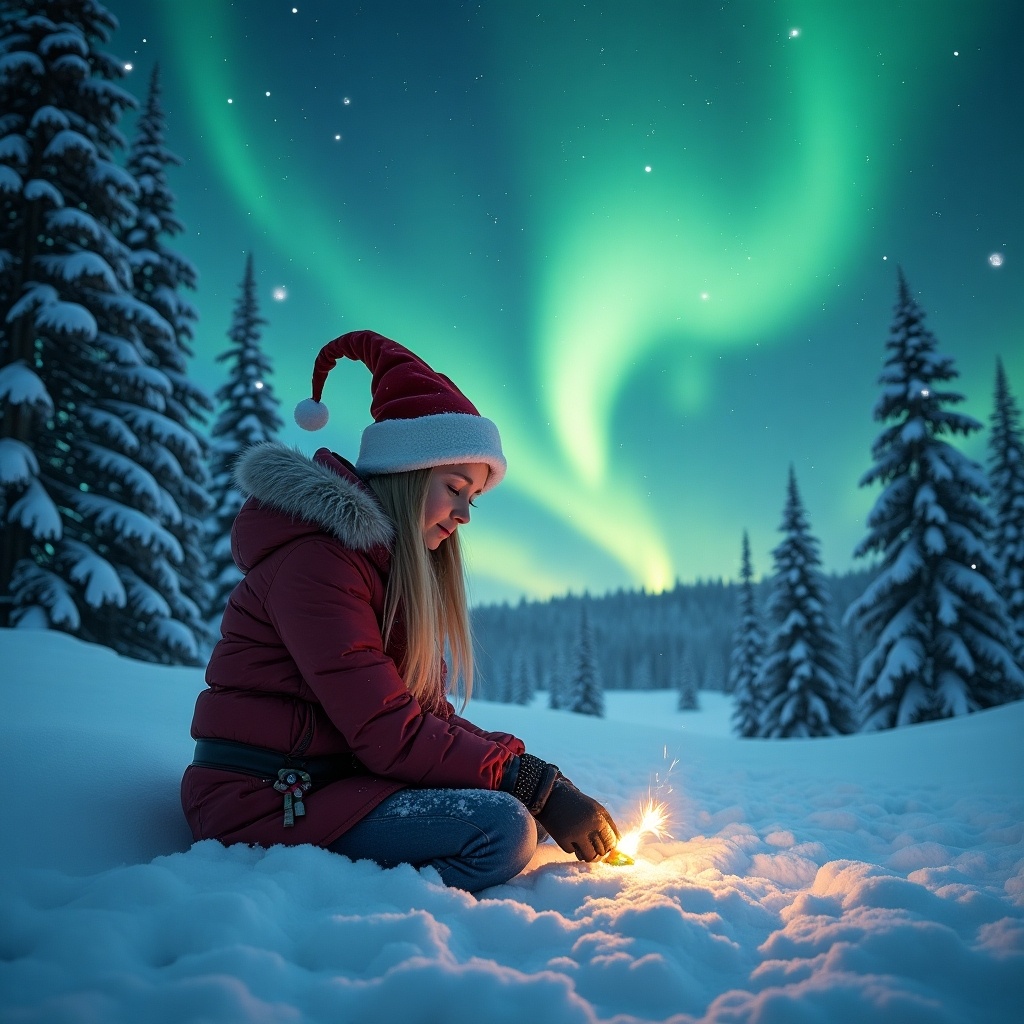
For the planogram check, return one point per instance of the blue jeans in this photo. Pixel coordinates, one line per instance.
(475, 838)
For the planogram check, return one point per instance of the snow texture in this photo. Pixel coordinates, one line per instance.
(18, 463)
(20, 385)
(862, 878)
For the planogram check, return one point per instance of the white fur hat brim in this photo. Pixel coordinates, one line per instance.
(444, 439)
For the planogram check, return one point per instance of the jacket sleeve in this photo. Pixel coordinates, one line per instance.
(506, 739)
(320, 605)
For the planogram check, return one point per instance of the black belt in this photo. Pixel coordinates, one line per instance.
(267, 764)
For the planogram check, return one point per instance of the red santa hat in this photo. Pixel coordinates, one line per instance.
(420, 418)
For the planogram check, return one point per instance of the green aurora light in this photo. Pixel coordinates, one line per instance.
(678, 184)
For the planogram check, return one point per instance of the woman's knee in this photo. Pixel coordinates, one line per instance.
(520, 832)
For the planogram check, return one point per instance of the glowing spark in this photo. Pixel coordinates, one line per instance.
(128, 67)
(346, 101)
(793, 33)
(258, 385)
(648, 168)
(280, 293)
(653, 822)
(996, 259)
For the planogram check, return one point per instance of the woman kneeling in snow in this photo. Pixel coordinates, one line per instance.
(325, 719)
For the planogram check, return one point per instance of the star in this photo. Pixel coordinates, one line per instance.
(996, 259)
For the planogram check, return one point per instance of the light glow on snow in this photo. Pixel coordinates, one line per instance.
(653, 821)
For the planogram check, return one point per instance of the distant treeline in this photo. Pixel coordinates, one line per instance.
(642, 641)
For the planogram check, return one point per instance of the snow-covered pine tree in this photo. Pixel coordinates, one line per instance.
(801, 684)
(587, 695)
(521, 678)
(170, 598)
(747, 653)
(76, 507)
(248, 414)
(1006, 476)
(937, 634)
(558, 679)
(686, 684)
(641, 675)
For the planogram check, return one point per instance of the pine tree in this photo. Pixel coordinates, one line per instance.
(587, 696)
(248, 414)
(641, 676)
(170, 598)
(558, 681)
(686, 685)
(521, 679)
(937, 632)
(800, 684)
(1006, 476)
(747, 653)
(77, 509)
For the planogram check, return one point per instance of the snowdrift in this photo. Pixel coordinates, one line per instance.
(875, 877)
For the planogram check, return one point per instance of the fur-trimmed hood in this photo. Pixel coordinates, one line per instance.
(322, 493)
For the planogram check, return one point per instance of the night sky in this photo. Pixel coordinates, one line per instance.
(656, 242)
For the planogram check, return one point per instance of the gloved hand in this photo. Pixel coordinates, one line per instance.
(577, 822)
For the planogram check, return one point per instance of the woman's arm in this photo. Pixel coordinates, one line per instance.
(506, 739)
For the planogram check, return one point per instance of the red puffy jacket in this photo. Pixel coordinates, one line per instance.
(301, 667)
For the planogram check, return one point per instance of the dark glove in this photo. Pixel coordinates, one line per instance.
(577, 822)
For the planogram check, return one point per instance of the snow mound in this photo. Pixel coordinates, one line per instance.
(859, 878)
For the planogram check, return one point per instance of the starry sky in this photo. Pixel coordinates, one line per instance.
(656, 242)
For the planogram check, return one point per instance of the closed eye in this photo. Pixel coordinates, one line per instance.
(455, 491)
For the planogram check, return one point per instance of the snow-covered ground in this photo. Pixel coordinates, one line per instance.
(869, 878)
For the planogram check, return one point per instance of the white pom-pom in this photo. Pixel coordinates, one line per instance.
(311, 414)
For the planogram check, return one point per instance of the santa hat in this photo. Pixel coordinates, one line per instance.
(420, 418)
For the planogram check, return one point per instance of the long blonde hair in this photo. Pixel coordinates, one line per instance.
(426, 589)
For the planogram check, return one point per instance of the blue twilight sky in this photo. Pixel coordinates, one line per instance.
(656, 242)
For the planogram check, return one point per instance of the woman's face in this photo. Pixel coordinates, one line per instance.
(450, 492)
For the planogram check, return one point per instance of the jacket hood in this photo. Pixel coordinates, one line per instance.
(296, 495)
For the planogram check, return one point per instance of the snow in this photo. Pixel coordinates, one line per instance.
(874, 877)
(41, 189)
(10, 180)
(83, 267)
(68, 144)
(102, 585)
(20, 62)
(49, 116)
(35, 511)
(20, 385)
(128, 524)
(66, 40)
(18, 463)
(14, 149)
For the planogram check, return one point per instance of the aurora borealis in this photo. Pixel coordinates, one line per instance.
(656, 242)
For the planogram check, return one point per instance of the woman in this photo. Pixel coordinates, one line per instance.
(325, 719)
